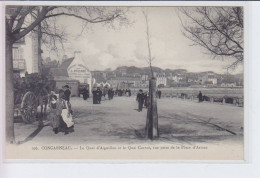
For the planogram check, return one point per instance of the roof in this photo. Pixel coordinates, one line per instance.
(64, 78)
(65, 64)
(59, 72)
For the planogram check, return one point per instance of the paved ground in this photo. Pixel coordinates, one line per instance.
(118, 121)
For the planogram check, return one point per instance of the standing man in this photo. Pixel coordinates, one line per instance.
(94, 92)
(85, 93)
(99, 95)
(146, 99)
(67, 93)
(159, 94)
(140, 99)
(129, 92)
(200, 97)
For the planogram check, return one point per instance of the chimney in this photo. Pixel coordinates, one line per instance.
(77, 54)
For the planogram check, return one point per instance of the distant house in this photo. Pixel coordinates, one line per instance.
(206, 77)
(161, 80)
(144, 77)
(124, 82)
(144, 84)
(77, 69)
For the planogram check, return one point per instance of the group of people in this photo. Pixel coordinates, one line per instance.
(202, 97)
(142, 99)
(98, 93)
(158, 94)
(60, 111)
(123, 92)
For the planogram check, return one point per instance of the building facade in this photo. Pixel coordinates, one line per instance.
(77, 70)
(26, 56)
(161, 79)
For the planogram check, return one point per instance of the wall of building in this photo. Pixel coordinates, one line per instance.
(77, 70)
(24, 51)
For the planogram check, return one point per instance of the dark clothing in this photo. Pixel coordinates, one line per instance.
(146, 100)
(67, 95)
(159, 94)
(95, 97)
(99, 96)
(200, 97)
(140, 99)
(85, 93)
(110, 94)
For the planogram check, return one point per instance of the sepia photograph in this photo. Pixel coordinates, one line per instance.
(124, 83)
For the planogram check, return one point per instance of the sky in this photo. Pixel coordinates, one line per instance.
(103, 47)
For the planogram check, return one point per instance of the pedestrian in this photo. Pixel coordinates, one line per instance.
(129, 92)
(99, 95)
(200, 97)
(67, 93)
(94, 92)
(146, 99)
(53, 115)
(66, 123)
(159, 94)
(85, 93)
(110, 94)
(140, 99)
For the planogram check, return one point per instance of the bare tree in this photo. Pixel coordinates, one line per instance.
(219, 30)
(151, 129)
(148, 38)
(21, 20)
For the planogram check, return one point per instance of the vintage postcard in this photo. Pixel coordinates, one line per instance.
(124, 82)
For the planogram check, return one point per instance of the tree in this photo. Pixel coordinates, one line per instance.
(218, 30)
(21, 20)
(151, 129)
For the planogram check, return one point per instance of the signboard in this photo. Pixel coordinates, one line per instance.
(79, 72)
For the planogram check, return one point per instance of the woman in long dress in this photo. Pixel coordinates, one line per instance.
(53, 116)
(63, 109)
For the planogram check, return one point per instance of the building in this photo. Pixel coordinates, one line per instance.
(98, 76)
(77, 69)
(26, 55)
(161, 80)
(26, 51)
(144, 77)
(206, 77)
(124, 82)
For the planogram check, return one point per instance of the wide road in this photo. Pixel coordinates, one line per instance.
(118, 121)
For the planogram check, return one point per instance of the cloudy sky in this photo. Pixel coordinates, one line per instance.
(103, 47)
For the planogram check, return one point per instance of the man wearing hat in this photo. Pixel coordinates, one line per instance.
(140, 99)
(66, 93)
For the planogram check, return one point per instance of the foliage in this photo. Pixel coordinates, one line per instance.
(219, 30)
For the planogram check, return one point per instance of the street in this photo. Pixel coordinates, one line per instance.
(118, 121)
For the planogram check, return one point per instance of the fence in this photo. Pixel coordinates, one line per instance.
(213, 95)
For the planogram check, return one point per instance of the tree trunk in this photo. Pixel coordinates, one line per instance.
(9, 93)
(152, 131)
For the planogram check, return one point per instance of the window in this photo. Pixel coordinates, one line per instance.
(18, 53)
